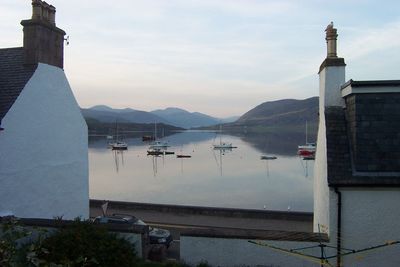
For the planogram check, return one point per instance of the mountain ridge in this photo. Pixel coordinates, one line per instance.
(278, 115)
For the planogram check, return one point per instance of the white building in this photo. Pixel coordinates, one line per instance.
(357, 168)
(43, 137)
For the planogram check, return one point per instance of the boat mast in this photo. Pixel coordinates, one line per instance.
(306, 133)
(116, 131)
(220, 134)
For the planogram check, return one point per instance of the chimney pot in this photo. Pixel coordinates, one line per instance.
(52, 15)
(36, 9)
(331, 38)
(45, 11)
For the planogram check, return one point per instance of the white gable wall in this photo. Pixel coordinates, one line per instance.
(330, 80)
(321, 189)
(43, 151)
(370, 217)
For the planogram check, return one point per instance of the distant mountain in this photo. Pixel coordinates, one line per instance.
(281, 112)
(103, 113)
(172, 116)
(185, 119)
(128, 129)
(229, 119)
(101, 108)
(287, 115)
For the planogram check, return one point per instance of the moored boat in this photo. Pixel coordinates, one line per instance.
(183, 156)
(266, 157)
(119, 145)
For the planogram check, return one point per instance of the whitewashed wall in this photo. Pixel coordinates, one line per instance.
(321, 189)
(330, 80)
(239, 252)
(43, 156)
(370, 217)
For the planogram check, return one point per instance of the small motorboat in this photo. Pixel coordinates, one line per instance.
(265, 157)
(159, 152)
(183, 156)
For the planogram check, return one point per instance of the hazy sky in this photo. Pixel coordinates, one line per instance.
(220, 57)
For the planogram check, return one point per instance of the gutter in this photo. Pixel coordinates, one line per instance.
(339, 228)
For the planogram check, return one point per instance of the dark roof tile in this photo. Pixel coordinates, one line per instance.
(13, 77)
(341, 171)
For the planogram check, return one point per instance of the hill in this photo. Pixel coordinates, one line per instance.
(185, 119)
(173, 116)
(281, 112)
(106, 114)
(287, 115)
(128, 129)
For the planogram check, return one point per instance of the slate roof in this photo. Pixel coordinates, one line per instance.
(374, 83)
(13, 77)
(341, 170)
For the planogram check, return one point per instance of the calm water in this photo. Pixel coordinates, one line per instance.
(236, 179)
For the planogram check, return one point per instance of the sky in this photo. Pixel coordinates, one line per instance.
(219, 57)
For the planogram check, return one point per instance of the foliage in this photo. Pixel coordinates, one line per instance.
(78, 244)
(11, 232)
(83, 244)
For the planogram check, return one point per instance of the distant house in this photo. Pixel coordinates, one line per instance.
(43, 137)
(357, 168)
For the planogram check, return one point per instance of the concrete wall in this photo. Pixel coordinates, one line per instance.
(239, 252)
(43, 156)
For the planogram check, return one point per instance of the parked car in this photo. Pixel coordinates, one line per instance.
(157, 235)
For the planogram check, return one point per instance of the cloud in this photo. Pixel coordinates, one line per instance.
(360, 42)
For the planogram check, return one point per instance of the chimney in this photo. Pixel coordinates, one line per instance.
(331, 73)
(43, 41)
(331, 37)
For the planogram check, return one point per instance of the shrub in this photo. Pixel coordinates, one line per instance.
(85, 244)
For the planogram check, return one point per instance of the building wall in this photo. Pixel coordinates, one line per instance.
(370, 217)
(330, 79)
(43, 156)
(239, 252)
(321, 190)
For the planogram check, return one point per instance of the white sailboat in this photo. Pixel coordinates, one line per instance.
(158, 145)
(118, 144)
(222, 145)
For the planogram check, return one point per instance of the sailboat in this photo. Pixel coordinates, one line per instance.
(222, 145)
(158, 147)
(118, 144)
(307, 150)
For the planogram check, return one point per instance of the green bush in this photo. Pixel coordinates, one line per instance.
(85, 244)
(10, 233)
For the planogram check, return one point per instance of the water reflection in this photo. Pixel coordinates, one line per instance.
(220, 178)
(221, 152)
(118, 158)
